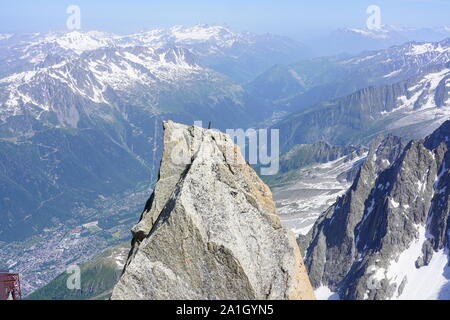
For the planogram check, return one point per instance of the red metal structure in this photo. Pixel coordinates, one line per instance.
(10, 286)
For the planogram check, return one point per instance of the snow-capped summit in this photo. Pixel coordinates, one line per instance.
(78, 41)
(219, 35)
(387, 31)
(211, 40)
(75, 41)
(421, 48)
(90, 75)
(239, 55)
(397, 61)
(202, 34)
(378, 33)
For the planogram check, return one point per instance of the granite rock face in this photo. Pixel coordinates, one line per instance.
(210, 229)
(388, 236)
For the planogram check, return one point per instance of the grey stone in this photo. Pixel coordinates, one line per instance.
(399, 189)
(210, 230)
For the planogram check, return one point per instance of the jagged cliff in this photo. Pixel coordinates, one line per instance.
(388, 236)
(210, 229)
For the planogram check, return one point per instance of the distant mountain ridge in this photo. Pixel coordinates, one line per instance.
(65, 95)
(239, 55)
(354, 40)
(81, 112)
(297, 86)
(412, 108)
(401, 90)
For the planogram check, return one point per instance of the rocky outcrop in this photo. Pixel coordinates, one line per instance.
(388, 236)
(210, 229)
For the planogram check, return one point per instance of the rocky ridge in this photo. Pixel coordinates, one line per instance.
(210, 229)
(387, 237)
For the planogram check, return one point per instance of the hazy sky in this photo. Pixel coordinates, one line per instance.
(296, 18)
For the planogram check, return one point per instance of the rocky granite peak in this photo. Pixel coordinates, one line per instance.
(210, 229)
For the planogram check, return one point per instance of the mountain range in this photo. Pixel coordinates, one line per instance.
(401, 90)
(67, 96)
(387, 237)
(81, 124)
(238, 55)
(355, 40)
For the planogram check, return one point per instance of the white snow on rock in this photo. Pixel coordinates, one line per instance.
(75, 42)
(394, 203)
(426, 283)
(299, 204)
(421, 106)
(324, 293)
(418, 49)
(393, 73)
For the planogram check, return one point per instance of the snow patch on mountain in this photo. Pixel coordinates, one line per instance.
(393, 73)
(5, 36)
(78, 42)
(391, 32)
(418, 49)
(202, 33)
(324, 293)
(74, 42)
(379, 33)
(425, 283)
(300, 203)
(420, 103)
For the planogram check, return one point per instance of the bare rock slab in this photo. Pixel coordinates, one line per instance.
(210, 229)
